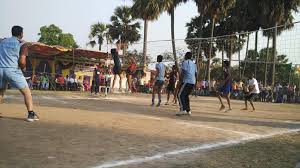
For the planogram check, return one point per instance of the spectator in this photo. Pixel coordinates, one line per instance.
(44, 82)
(60, 82)
(79, 83)
(285, 91)
(72, 84)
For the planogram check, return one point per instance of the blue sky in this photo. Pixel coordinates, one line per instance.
(76, 16)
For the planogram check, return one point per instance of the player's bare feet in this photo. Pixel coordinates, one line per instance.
(222, 108)
(253, 110)
(228, 110)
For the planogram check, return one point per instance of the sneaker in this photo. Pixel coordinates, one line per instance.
(32, 116)
(188, 113)
(180, 113)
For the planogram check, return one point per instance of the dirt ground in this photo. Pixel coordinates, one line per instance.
(79, 130)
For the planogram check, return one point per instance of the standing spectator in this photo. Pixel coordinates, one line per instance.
(95, 82)
(285, 91)
(72, 83)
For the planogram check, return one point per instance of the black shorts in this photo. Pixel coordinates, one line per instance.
(129, 72)
(251, 96)
(159, 83)
(117, 70)
(171, 88)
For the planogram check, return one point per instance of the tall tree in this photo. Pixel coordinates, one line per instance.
(216, 10)
(124, 27)
(53, 35)
(171, 12)
(274, 12)
(148, 10)
(98, 33)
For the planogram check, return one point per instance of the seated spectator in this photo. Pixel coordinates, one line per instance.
(44, 82)
(30, 83)
(60, 82)
(36, 82)
(79, 83)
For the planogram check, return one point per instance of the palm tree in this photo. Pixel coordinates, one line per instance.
(216, 10)
(274, 12)
(171, 12)
(98, 32)
(124, 28)
(148, 10)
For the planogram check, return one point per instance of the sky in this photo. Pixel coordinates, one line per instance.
(76, 17)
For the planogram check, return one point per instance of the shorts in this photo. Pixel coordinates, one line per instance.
(225, 89)
(251, 96)
(12, 76)
(117, 70)
(171, 88)
(129, 72)
(159, 83)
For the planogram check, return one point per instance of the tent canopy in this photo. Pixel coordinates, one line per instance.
(44, 50)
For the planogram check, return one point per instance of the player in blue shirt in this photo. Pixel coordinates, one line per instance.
(159, 80)
(226, 86)
(13, 54)
(188, 76)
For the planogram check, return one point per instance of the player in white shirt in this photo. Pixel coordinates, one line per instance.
(253, 92)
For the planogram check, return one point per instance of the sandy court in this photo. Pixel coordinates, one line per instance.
(78, 130)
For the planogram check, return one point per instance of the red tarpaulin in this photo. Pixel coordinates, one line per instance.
(46, 50)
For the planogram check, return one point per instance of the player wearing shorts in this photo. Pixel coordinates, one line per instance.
(226, 86)
(253, 92)
(159, 80)
(117, 69)
(13, 54)
(130, 71)
(171, 85)
(188, 75)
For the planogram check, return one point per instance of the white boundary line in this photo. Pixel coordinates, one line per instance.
(219, 129)
(192, 149)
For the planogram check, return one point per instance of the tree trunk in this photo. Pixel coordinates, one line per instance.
(199, 54)
(145, 44)
(231, 51)
(266, 65)
(173, 38)
(239, 57)
(255, 64)
(223, 55)
(246, 57)
(274, 57)
(210, 50)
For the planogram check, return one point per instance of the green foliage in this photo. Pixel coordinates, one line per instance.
(53, 35)
(124, 26)
(98, 32)
(150, 9)
(282, 69)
